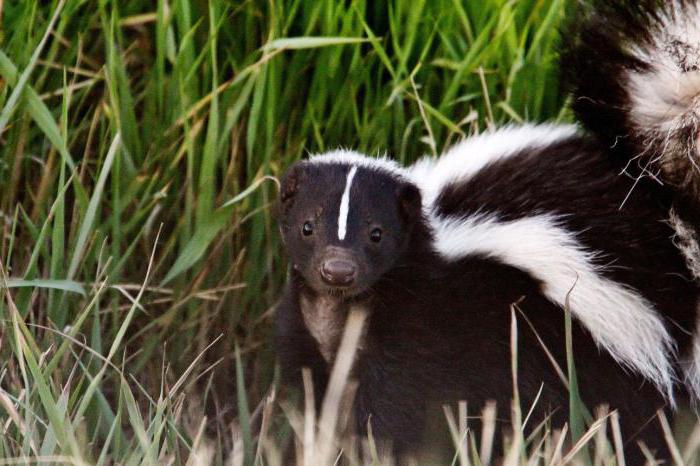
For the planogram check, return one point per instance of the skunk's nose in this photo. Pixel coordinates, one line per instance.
(338, 272)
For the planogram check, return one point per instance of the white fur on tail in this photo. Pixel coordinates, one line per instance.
(691, 366)
(666, 98)
(620, 320)
(687, 241)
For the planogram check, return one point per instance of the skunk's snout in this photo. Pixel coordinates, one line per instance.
(339, 267)
(338, 272)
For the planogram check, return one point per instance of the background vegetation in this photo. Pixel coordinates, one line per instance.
(139, 147)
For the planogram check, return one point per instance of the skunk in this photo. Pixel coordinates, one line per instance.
(439, 253)
(523, 222)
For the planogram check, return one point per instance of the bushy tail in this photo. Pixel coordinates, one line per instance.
(634, 71)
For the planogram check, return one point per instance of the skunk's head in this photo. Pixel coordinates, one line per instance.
(346, 220)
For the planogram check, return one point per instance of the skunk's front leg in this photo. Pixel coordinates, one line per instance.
(296, 348)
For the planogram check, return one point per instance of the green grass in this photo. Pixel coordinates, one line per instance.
(140, 147)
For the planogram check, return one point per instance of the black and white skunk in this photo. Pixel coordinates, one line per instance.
(438, 253)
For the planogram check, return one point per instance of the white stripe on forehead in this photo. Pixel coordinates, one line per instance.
(345, 205)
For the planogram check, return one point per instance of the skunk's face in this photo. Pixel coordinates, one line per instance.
(344, 226)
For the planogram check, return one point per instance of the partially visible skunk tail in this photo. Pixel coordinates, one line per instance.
(634, 71)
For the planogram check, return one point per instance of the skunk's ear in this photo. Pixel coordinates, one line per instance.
(291, 182)
(410, 202)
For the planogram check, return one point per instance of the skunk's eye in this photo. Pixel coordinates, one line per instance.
(375, 235)
(307, 229)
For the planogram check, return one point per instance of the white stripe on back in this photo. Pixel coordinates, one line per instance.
(467, 158)
(619, 319)
(345, 205)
